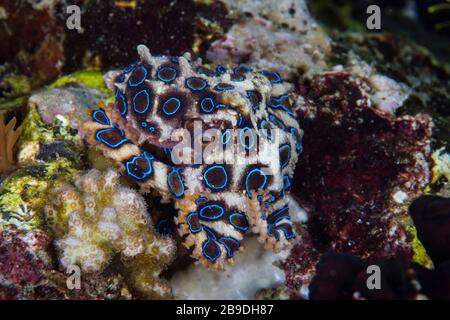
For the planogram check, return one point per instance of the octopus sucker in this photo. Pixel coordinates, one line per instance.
(241, 189)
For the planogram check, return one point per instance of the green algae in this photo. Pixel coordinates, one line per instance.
(93, 79)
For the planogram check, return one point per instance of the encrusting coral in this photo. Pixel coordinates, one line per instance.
(8, 138)
(96, 218)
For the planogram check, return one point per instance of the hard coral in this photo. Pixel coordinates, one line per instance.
(95, 218)
(8, 138)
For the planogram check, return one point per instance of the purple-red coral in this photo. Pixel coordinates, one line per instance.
(360, 168)
(19, 264)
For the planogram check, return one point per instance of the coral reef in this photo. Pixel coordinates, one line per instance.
(8, 137)
(360, 169)
(229, 192)
(95, 218)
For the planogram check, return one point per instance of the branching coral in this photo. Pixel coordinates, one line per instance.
(8, 138)
(95, 218)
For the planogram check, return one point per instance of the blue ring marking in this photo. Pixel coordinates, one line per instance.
(229, 252)
(209, 232)
(130, 68)
(188, 220)
(135, 84)
(272, 73)
(124, 105)
(201, 199)
(158, 75)
(221, 69)
(241, 119)
(212, 259)
(247, 69)
(144, 124)
(275, 103)
(97, 119)
(143, 175)
(264, 131)
(216, 187)
(144, 91)
(284, 146)
(298, 143)
(240, 78)
(230, 220)
(288, 235)
(203, 107)
(175, 171)
(241, 136)
(248, 176)
(120, 78)
(277, 121)
(286, 184)
(152, 129)
(112, 146)
(214, 218)
(278, 215)
(176, 109)
(204, 83)
(226, 137)
(224, 87)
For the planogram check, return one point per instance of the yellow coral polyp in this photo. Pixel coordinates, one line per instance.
(95, 219)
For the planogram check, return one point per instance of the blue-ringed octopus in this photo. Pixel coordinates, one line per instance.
(218, 202)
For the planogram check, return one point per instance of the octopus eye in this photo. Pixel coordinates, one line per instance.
(211, 250)
(285, 155)
(112, 137)
(141, 102)
(193, 222)
(211, 212)
(255, 179)
(175, 183)
(138, 76)
(196, 83)
(239, 221)
(281, 102)
(139, 167)
(216, 177)
(167, 74)
(171, 106)
(101, 117)
(274, 77)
